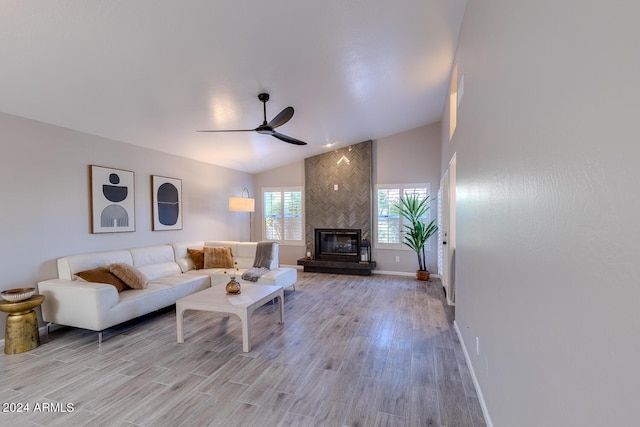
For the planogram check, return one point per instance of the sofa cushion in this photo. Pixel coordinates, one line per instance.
(153, 271)
(282, 276)
(129, 275)
(68, 266)
(218, 257)
(182, 258)
(137, 302)
(150, 255)
(103, 275)
(184, 284)
(197, 256)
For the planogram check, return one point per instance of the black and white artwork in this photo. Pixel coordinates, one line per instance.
(167, 203)
(112, 200)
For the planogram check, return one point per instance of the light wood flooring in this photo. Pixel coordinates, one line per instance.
(353, 351)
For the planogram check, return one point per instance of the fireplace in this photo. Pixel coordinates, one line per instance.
(337, 244)
(337, 252)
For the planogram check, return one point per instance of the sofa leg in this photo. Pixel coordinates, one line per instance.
(100, 338)
(48, 327)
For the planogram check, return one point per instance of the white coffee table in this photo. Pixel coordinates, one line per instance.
(215, 299)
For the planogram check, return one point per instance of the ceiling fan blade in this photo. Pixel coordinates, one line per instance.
(288, 139)
(268, 128)
(228, 130)
(283, 117)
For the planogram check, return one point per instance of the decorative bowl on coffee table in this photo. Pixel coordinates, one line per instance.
(18, 294)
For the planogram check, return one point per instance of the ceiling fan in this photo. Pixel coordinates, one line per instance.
(268, 128)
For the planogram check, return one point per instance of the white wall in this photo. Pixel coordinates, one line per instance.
(547, 209)
(291, 175)
(44, 171)
(408, 157)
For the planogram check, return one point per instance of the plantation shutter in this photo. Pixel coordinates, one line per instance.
(283, 215)
(389, 232)
(388, 217)
(272, 215)
(292, 215)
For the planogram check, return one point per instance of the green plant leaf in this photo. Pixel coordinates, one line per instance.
(416, 233)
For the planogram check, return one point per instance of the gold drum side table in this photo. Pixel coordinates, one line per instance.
(21, 331)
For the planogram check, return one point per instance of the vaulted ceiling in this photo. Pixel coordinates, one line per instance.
(152, 72)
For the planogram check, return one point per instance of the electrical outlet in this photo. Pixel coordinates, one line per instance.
(477, 346)
(397, 259)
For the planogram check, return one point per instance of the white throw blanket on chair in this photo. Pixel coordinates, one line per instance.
(261, 262)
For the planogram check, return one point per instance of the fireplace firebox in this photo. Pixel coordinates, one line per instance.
(337, 244)
(337, 252)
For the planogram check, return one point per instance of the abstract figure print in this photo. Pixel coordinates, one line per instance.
(112, 200)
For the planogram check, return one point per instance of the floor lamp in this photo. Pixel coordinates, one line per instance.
(243, 204)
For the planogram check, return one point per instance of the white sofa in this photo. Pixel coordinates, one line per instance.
(170, 272)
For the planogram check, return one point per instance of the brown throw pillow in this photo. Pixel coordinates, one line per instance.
(197, 256)
(218, 257)
(129, 275)
(103, 275)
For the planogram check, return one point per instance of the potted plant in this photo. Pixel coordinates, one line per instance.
(416, 233)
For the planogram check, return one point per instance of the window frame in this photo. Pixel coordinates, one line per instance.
(283, 190)
(401, 188)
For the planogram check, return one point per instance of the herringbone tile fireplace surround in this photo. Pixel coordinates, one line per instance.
(338, 190)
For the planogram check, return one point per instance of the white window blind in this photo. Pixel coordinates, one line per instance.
(389, 224)
(272, 215)
(292, 215)
(388, 216)
(283, 215)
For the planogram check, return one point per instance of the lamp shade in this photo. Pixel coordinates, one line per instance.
(243, 204)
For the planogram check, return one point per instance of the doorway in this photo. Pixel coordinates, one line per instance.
(447, 231)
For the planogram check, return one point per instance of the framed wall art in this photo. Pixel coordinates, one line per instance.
(166, 196)
(112, 200)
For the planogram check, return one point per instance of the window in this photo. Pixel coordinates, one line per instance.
(453, 101)
(283, 215)
(388, 217)
(389, 222)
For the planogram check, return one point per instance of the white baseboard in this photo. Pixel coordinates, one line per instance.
(476, 384)
(401, 273)
(393, 273)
